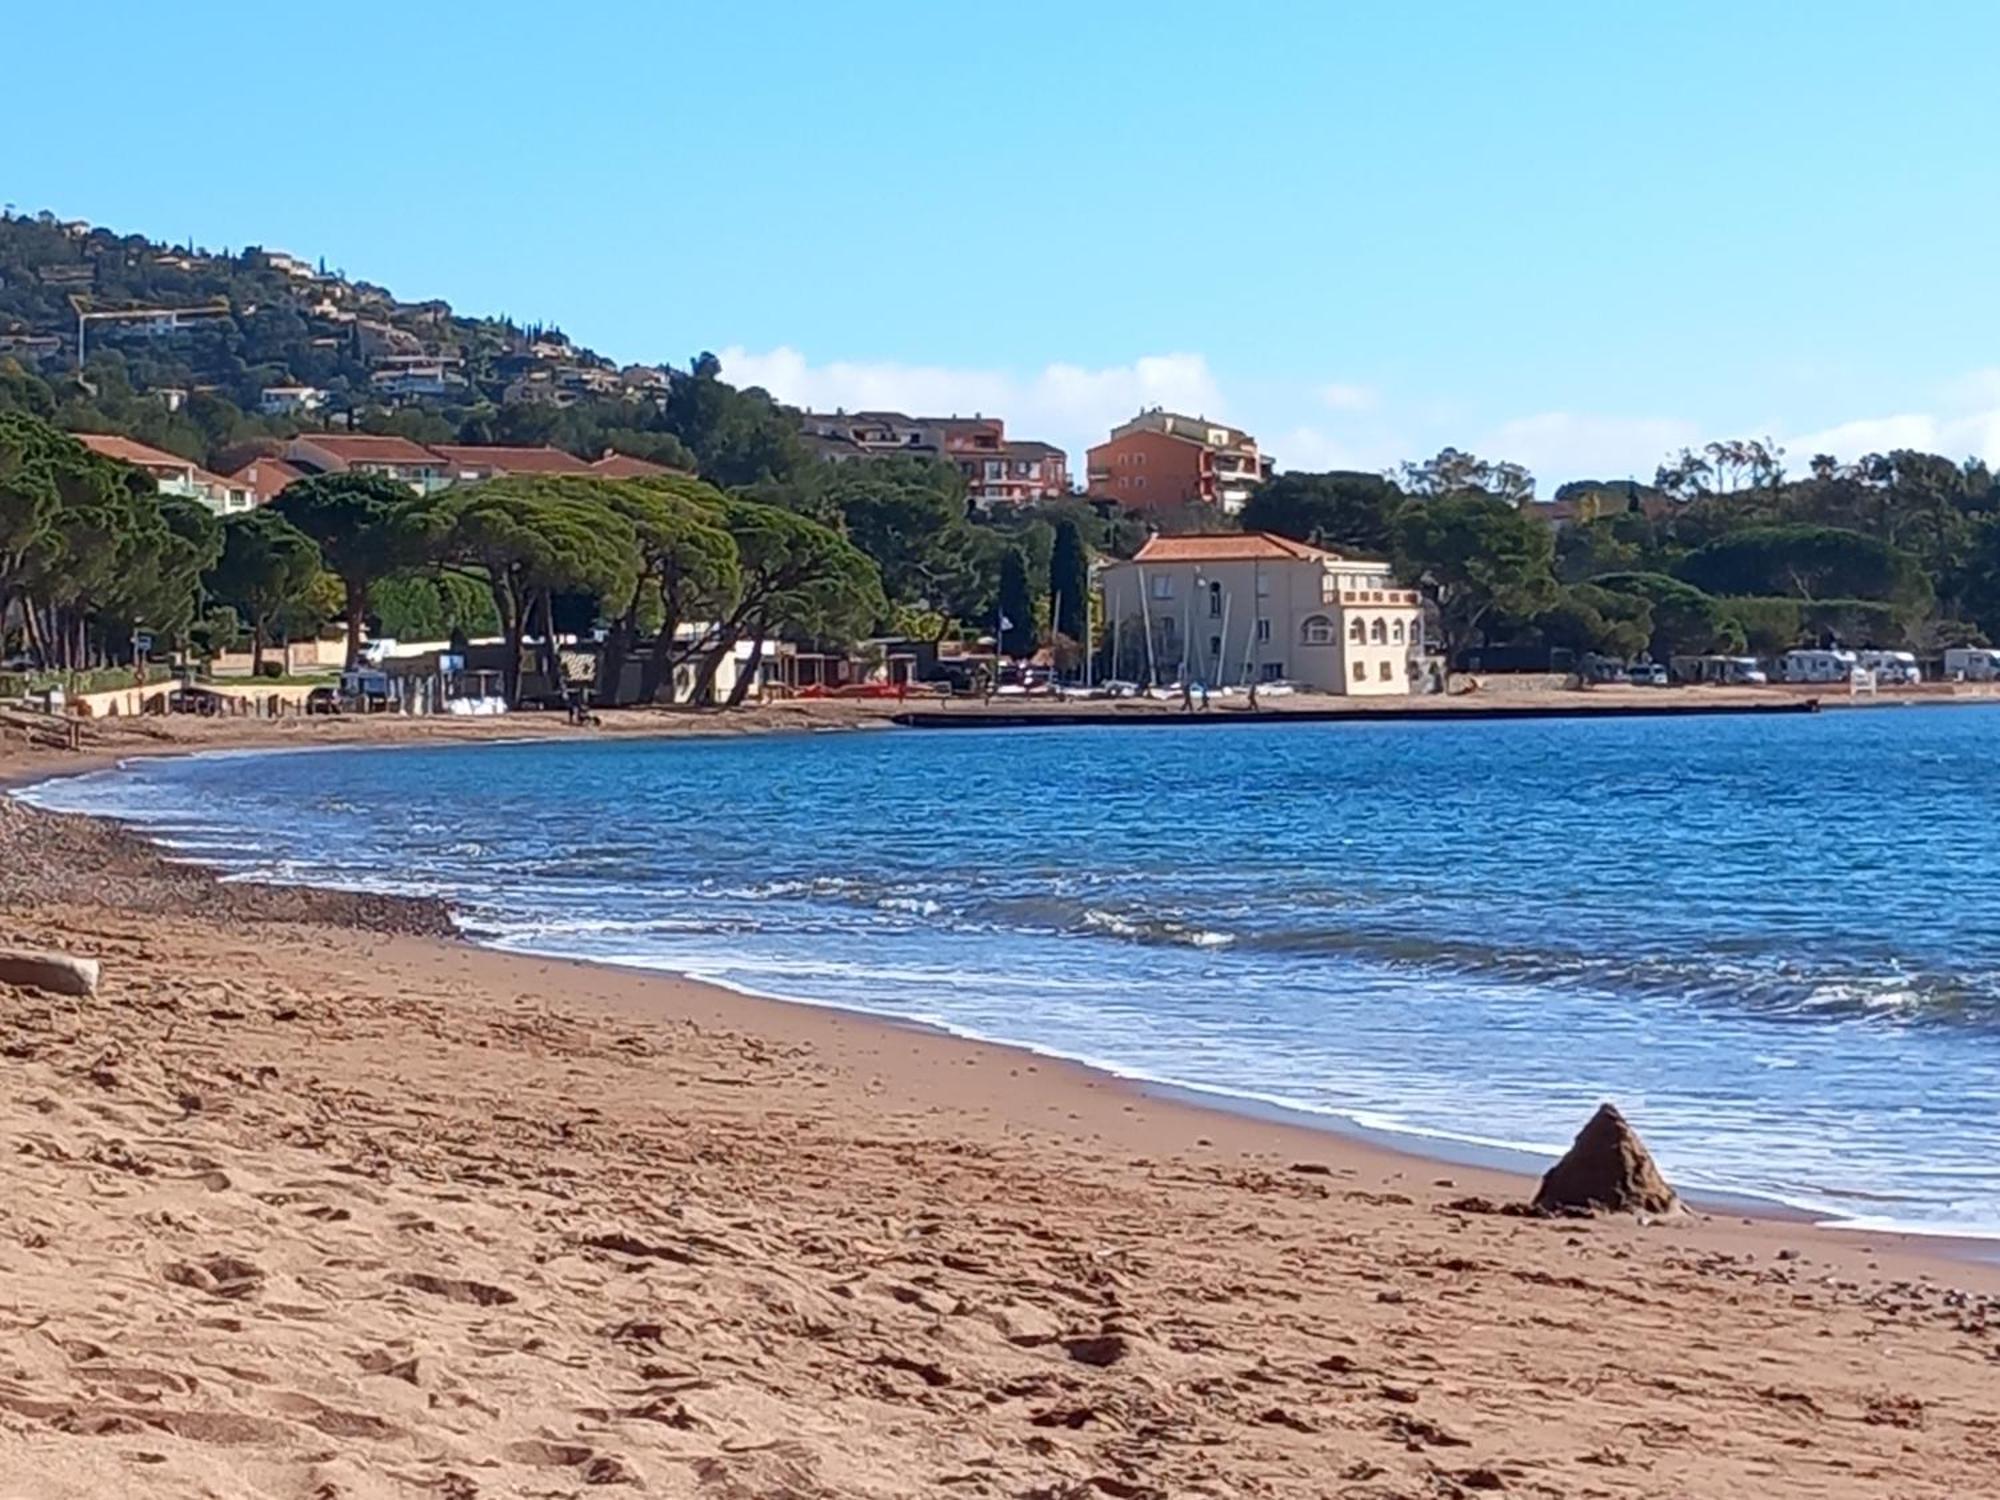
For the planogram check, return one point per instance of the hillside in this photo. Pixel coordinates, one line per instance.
(197, 351)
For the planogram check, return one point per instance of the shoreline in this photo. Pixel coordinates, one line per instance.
(1511, 1172)
(308, 1200)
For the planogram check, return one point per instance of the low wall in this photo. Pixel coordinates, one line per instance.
(258, 700)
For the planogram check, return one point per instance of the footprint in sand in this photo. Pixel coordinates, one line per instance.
(477, 1293)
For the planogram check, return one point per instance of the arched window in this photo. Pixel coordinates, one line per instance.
(1356, 632)
(1378, 633)
(1396, 632)
(1316, 631)
(1215, 601)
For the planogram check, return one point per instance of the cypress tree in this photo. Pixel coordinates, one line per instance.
(1017, 605)
(1069, 580)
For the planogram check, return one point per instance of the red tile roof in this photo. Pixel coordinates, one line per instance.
(625, 466)
(265, 477)
(1247, 546)
(369, 448)
(500, 459)
(126, 451)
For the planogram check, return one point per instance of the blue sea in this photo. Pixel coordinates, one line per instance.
(1775, 942)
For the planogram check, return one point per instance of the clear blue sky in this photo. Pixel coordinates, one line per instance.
(1572, 234)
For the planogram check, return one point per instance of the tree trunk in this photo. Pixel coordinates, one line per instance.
(746, 678)
(506, 604)
(617, 647)
(711, 664)
(257, 648)
(550, 660)
(357, 608)
(31, 629)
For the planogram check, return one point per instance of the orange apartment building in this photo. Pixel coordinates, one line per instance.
(1162, 459)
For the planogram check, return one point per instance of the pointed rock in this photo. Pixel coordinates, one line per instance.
(1606, 1168)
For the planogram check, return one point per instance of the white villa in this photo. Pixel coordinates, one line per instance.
(1252, 607)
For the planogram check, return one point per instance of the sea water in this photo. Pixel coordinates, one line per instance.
(1775, 942)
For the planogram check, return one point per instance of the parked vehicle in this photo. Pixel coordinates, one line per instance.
(1972, 663)
(1732, 671)
(1818, 666)
(1602, 669)
(1648, 674)
(1893, 668)
(323, 700)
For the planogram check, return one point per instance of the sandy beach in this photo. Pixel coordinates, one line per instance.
(314, 1201)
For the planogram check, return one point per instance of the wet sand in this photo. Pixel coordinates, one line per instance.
(311, 1202)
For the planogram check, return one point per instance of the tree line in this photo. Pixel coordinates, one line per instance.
(1724, 550)
(92, 556)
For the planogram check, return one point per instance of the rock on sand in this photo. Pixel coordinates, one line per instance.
(1606, 1168)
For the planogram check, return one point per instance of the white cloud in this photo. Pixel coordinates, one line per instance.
(1343, 397)
(1558, 445)
(1067, 404)
(1315, 451)
(1339, 424)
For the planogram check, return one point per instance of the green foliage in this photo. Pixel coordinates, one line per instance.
(1475, 555)
(89, 549)
(1454, 472)
(217, 631)
(364, 531)
(800, 576)
(268, 571)
(909, 516)
(530, 539)
(1585, 618)
(1769, 627)
(431, 607)
(1623, 542)
(1341, 510)
(1854, 622)
(1808, 562)
(1685, 621)
(1016, 605)
(1069, 581)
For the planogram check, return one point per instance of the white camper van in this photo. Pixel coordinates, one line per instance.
(1972, 663)
(1893, 668)
(1818, 666)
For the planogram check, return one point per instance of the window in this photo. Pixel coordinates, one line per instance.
(1360, 672)
(1396, 632)
(1215, 648)
(1139, 483)
(1163, 586)
(1215, 601)
(1317, 631)
(1329, 589)
(1263, 630)
(1378, 633)
(1273, 670)
(1263, 585)
(1385, 674)
(1355, 631)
